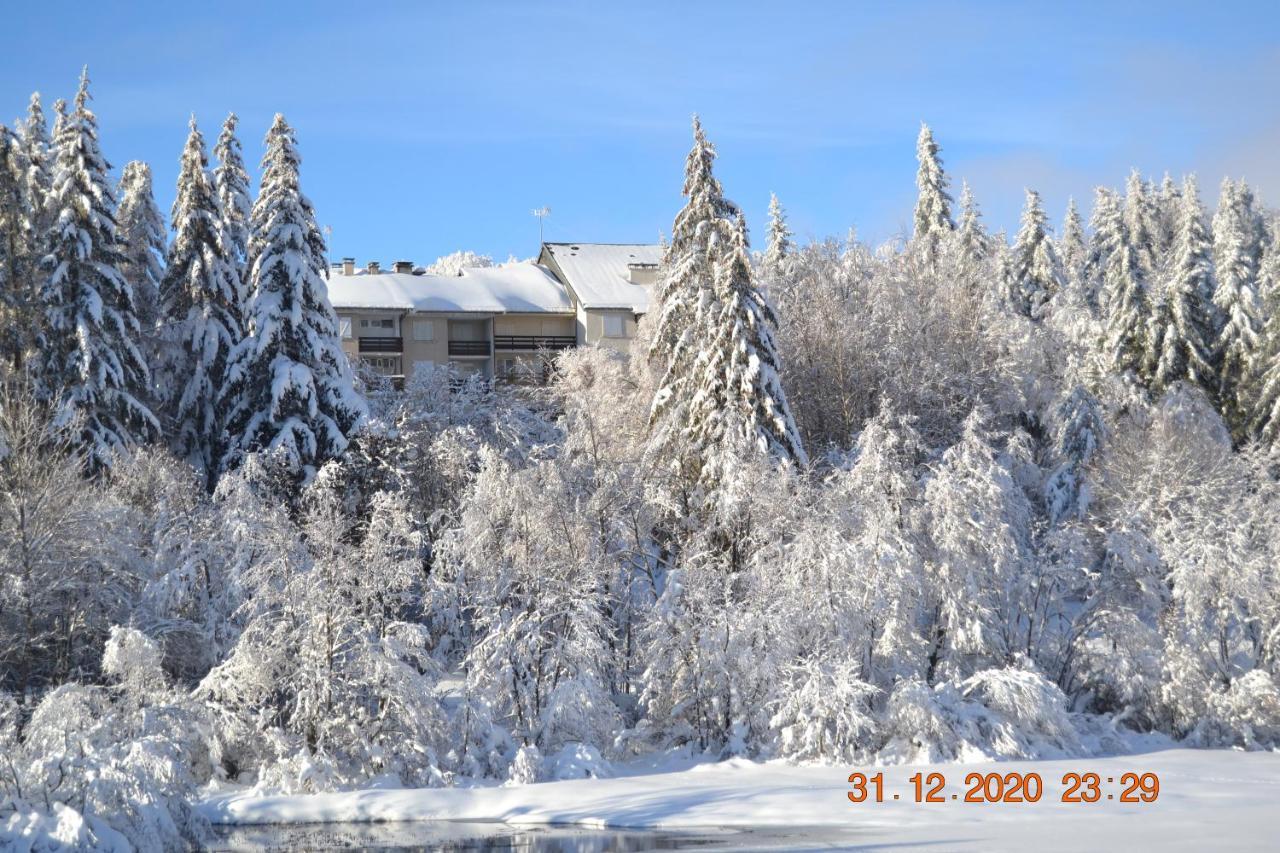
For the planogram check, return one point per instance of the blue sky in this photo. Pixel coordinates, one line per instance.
(430, 127)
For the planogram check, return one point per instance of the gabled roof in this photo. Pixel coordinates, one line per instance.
(598, 272)
(507, 289)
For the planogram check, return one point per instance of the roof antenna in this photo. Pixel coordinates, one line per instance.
(542, 213)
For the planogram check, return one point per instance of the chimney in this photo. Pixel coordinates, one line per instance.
(373, 268)
(348, 266)
(403, 267)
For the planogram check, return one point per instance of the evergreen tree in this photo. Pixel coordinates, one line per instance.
(142, 238)
(1079, 431)
(1183, 328)
(1037, 275)
(933, 204)
(721, 388)
(1123, 296)
(289, 385)
(90, 361)
(1142, 223)
(1169, 215)
(1237, 250)
(36, 156)
(1266, 406)
(202, 318)
(778, 247)
(16, 301)
(972, 239)
(1073, 251)
(231, 182)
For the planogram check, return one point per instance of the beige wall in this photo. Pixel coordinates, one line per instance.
(533, 324)
(593, 320)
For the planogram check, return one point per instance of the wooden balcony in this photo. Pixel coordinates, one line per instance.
(381, 344)
(533, 342)
(468, 347)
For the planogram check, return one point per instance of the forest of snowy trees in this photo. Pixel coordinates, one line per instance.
(953, 496)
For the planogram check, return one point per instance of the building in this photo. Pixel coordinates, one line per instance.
(493, 321)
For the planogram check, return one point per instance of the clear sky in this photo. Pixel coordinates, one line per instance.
(429, 127)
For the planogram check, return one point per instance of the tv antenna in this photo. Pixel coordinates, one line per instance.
(542, 213)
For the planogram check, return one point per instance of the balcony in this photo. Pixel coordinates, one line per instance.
(469, 348)
(381, 344)
(533, 342)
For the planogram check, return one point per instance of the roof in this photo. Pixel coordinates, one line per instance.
(598, 273)
(506, 289)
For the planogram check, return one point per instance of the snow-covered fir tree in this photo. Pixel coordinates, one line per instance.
(142, 238)
(201, 316)
(289, 384)
(1123, 297)
(1142, 224)
(721, 387)
(1168, 203)
(778, 245)
(1073, 252)
(933, 203)
(1265, 423)
(37, 158)
(16, 295)
(1037, 273)
(1079, 432)
(972, 240)
(1181, 336)
(91, 362)
(231, 184)
(1237, 252)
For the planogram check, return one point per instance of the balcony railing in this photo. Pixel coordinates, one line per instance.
(532, 342)
(380, 344)
(468, 347)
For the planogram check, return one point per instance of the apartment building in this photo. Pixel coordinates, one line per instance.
(498, 322)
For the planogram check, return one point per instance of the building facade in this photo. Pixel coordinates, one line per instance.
(497, 322)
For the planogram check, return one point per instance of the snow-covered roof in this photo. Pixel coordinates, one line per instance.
(506, 289)
(599, 272)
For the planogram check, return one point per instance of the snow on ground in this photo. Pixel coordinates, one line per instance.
(1209, 799)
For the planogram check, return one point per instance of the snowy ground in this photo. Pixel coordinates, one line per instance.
(1217, 800)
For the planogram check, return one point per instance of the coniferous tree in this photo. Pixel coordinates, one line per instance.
(1123, 295)
(16, 302)
(202, 318)
(289, 384)
(1266, 399)
(933, 204)
(778, 246)
(1073, 251)
(90, 361)
(1169, 215)
(36, 161)
(1237, 250)
(1183, 328)
(721, 388)
(1037, 275)
(142, 239)
(971, 237)
(1142, 223)
(231, 182)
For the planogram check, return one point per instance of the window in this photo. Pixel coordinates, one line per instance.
(508, 366)
(423, 367)
(613, 326)
(344, 325)
(424, 330)
(383, 364)
(382, 323)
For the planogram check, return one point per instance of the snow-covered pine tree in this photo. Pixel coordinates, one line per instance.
(1237, 251)
(231, 182)
(90, 360)
(15, 274)
(1123, 295)
(1168, 203)
(289, 384)
(1073, 251)
(201, 316)
(971, 237)
(1266, 399)
(933, 204)
(1183, 325)
(1037, 274)
(721, 389)
(1142, 223)
(1078, 433)
(778, 246)
(142, 238)
(36, 157)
